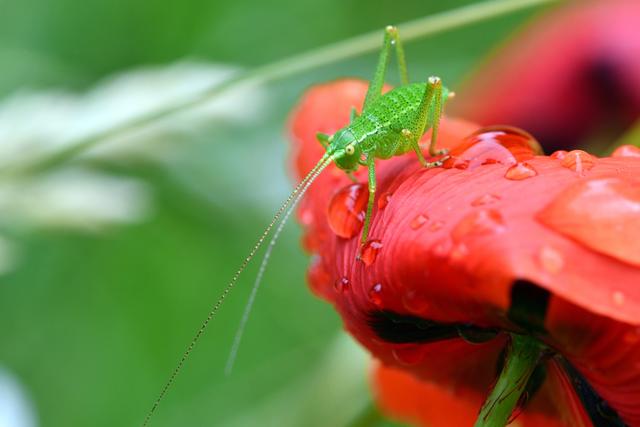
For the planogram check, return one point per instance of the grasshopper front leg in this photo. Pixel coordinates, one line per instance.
(371, 167)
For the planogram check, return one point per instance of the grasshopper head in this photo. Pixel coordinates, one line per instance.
(345, 150)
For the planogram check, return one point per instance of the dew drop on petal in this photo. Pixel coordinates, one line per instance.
(618, 297)
(493, 145)
(579, 161)
(415, 302)
(520, 171)
(375, 294)
(418, 221)
(342, 285)
(458, 253)
(369, 251)
(600, 213)
(409, 354)
(626, 151)
(559, 155)
(485, 199)
(550, 259)
(347, 210)
(384, 200)
(436, 225)
(480, 222)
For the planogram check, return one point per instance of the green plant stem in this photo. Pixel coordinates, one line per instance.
(523, 354)
(358, 45)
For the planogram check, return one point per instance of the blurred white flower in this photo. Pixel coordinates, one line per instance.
(72, 198)
(36, 125)
(15, 408)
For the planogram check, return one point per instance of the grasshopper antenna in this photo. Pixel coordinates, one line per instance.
(263, 265)
(296, 195)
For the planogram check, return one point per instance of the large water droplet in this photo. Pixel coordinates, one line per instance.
(375, 294)
(418, 221)
(520, 171)
(602, 214)
(579, 161)
(626, 151)
(498, 144)
(342, 285)
(550, 260)
(347, 210)
(409, 354)
(369, 251)
(480, 222)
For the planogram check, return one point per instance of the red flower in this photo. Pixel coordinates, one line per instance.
(500, 239)
(571, 75)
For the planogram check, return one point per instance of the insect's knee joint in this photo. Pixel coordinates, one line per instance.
(391, 30)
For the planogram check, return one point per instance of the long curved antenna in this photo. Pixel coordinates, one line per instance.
(322, 163)
(263, 265)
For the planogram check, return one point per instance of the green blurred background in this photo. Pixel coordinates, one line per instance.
(93, 322)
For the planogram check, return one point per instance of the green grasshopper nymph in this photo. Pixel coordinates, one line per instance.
(390, 124)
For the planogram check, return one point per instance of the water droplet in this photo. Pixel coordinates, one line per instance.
(618, 297)
(600, 213)
(480, 222)
(375, 294)
(384, 200)
(559, 155)
(436, 225)
(493, 145)
(342, 284)
(458, 253)
(415, 302)
(520, 171)
(418, 221)
(485, 199)
(347, 210)
(579, 161)
(626, 151)
(550, 260)
(369, 251)
(409, 354)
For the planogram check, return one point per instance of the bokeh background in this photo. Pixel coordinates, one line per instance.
(110, 260)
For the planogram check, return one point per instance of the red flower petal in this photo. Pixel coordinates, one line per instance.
(571, 74)
(453, 241)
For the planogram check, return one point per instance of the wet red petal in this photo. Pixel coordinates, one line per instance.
(480, 233)
(601, 213)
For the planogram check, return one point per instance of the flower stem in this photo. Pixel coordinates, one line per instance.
(315, 58)
(523, 354)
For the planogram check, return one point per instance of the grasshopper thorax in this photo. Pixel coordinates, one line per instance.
(345, 150)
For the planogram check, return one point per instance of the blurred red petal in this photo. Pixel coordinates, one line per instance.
(572, 73)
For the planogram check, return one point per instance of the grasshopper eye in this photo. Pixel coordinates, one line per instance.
(350, 149)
